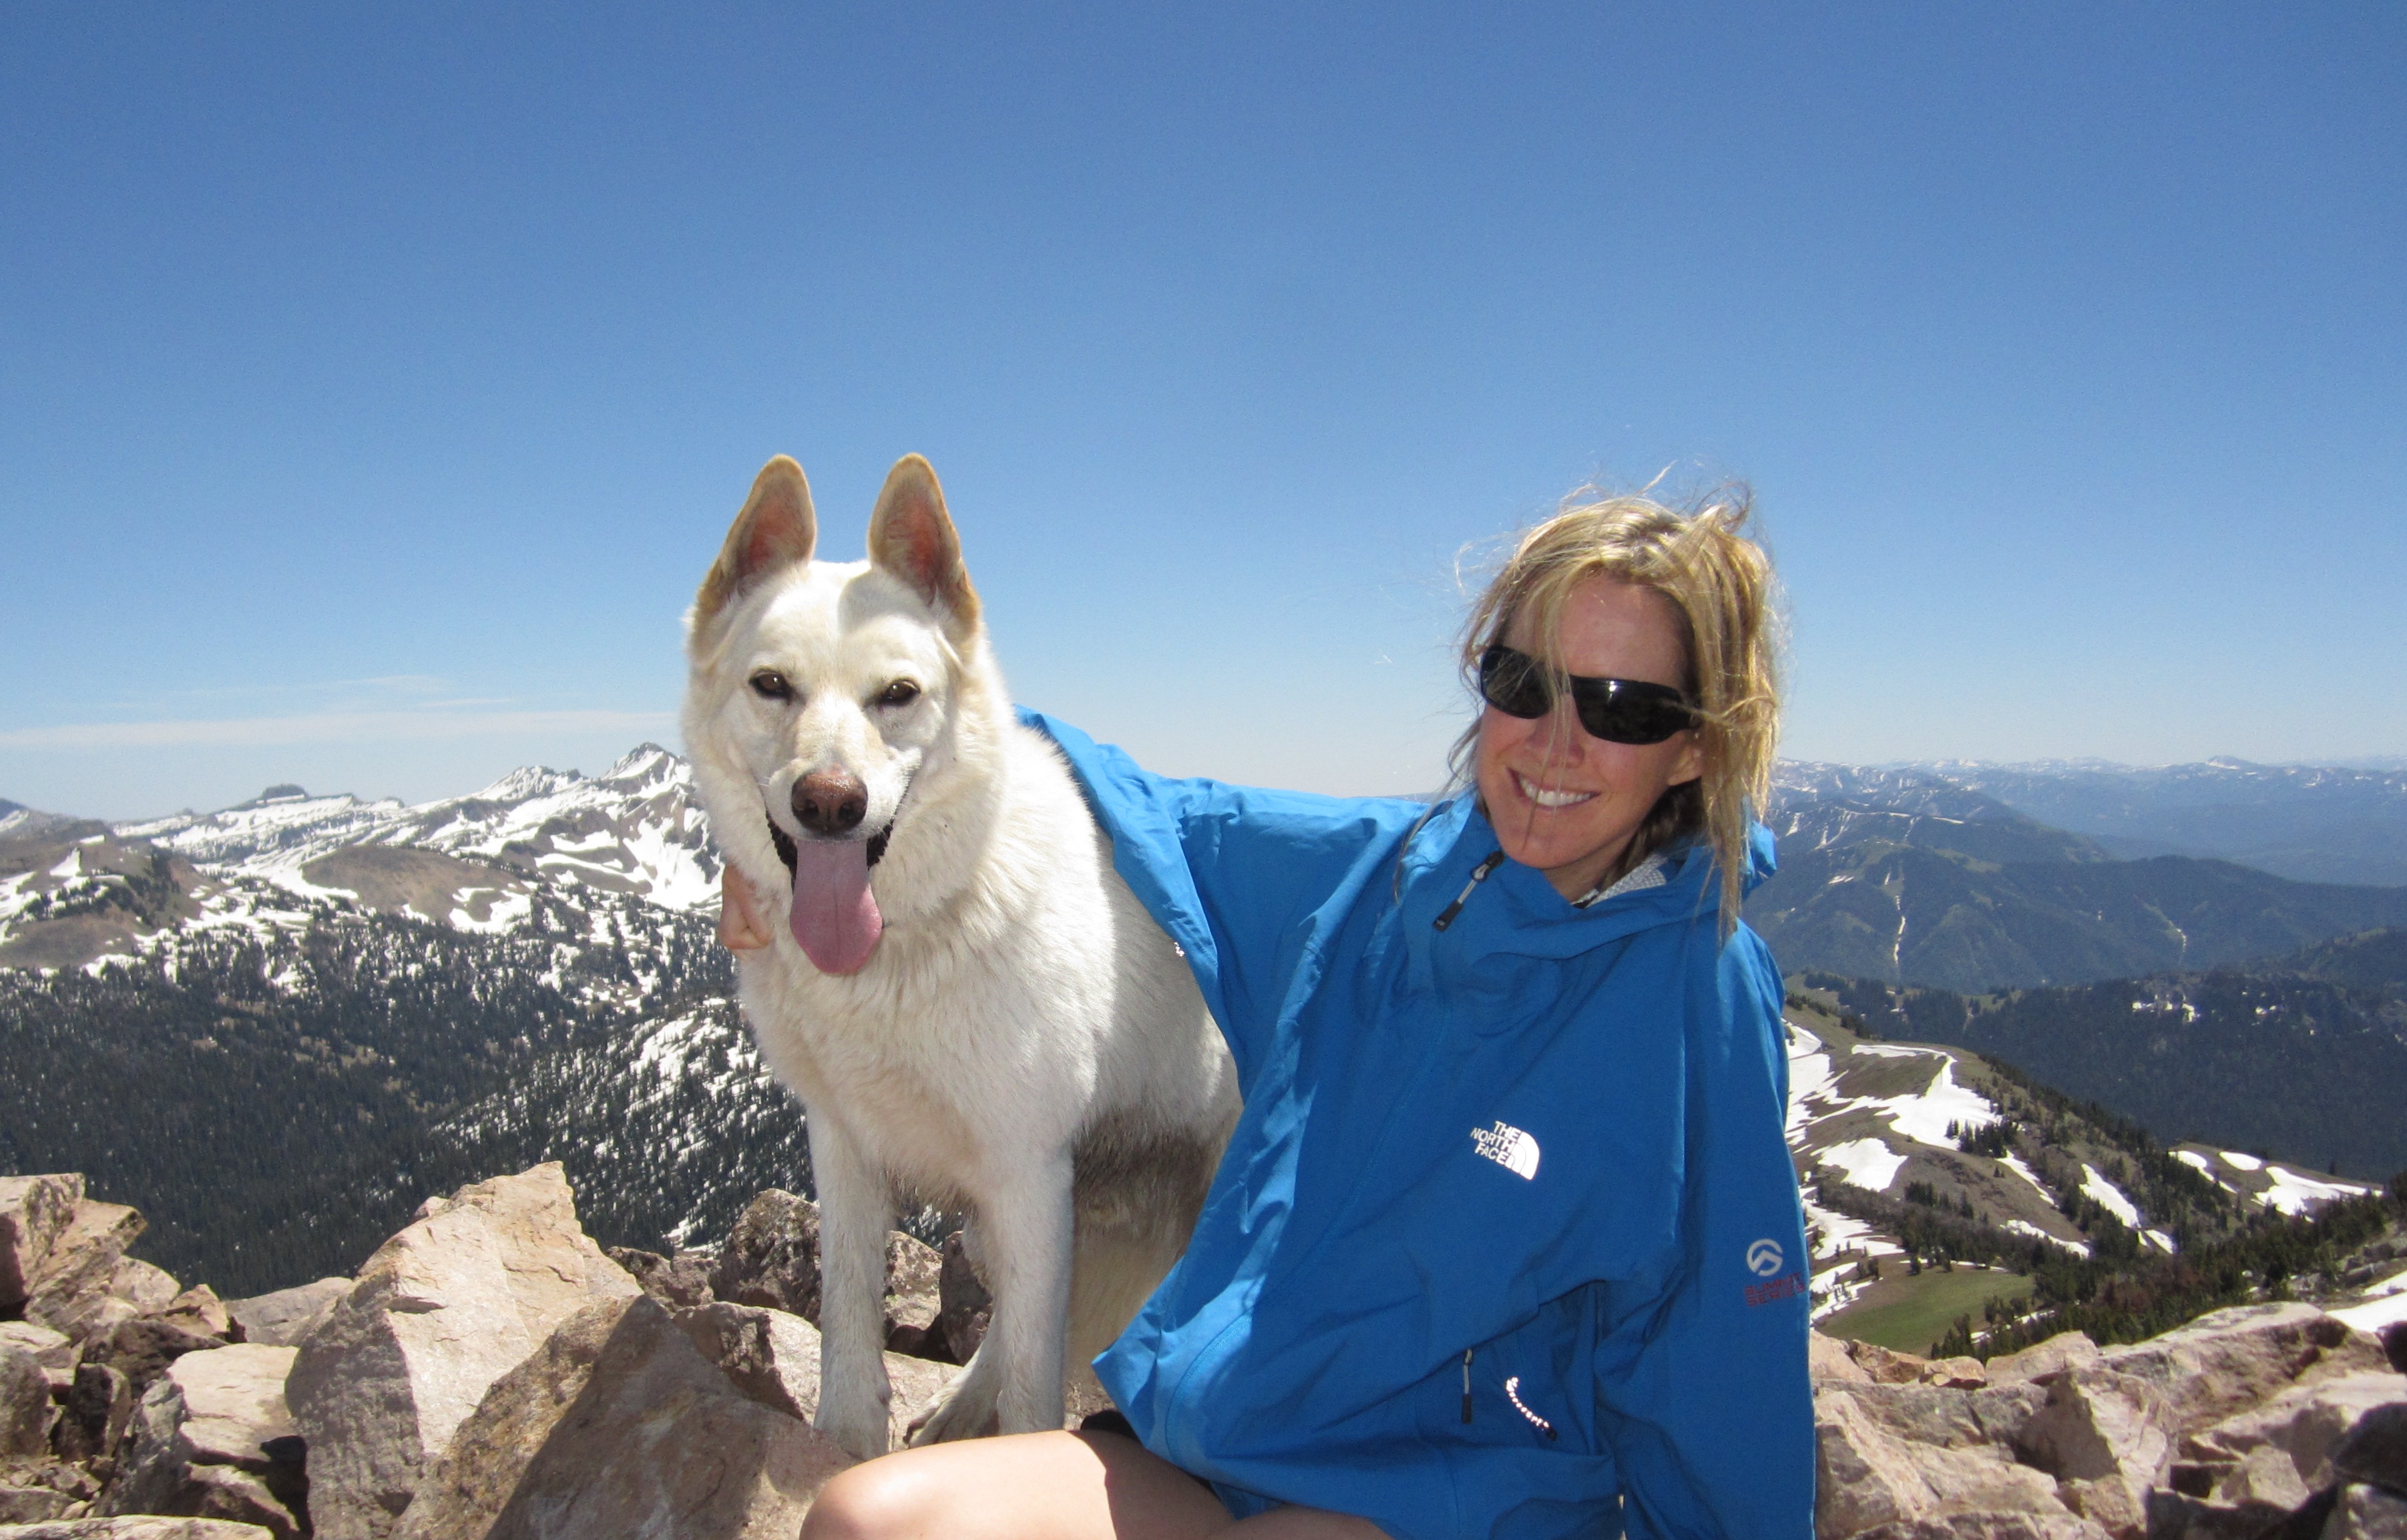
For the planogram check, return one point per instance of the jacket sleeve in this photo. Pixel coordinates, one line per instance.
(1230, 872)
(1701, 1386)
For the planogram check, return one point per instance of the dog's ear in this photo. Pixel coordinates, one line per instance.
(911, 536)
(776, 529)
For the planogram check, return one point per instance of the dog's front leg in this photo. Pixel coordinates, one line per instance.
(1027, 1229)
(855, 1208)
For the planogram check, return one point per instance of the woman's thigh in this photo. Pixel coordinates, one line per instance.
(1026, 1487)
(1046, 1487)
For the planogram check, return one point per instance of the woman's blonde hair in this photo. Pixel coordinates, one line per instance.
(1722, 584)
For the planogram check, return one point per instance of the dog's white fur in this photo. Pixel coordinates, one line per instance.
(1024, 1046)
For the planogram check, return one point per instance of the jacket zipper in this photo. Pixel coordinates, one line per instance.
(1478, 875)
(1466, 1384)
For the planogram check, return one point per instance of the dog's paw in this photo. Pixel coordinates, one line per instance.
(863, 1437)
(958, 1415)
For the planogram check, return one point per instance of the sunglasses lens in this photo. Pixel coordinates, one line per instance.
(1510, 682)
(1622, 716)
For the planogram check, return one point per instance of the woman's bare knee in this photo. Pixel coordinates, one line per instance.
(865, 1502)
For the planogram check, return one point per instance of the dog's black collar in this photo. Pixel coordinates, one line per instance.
(785, 844)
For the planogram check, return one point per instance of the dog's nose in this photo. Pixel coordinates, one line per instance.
(830, 802)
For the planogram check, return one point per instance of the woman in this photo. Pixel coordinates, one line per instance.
(1507, 1241)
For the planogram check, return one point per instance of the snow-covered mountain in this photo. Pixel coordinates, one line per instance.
(73, 891)
(633, 829)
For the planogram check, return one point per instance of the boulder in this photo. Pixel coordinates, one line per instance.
(2367, 1513)
(162, 1470)
(913, 1302)
(32, 1211)
(964, 1304)
(440, 1312)
(1887, 1365)
(1960, 1374)
(681, 1282)
(282, 1319)
(2228, 1362)
(137, 1527)
(2376, 1450)
(142, 1348)
(94, 1417)
(771, 1258)
(2280, 1453)
(2062, 1351)
(152, 1290)
(234, 1404)
(2103, 1435)
(25, 1413)
(50, 1350)
(1990, 1526)
(619, 1426)
(69, 1288)
(1827, 1359)
(774, 1358)
(1886, 1458)
(30, 1502)
(198, 1309)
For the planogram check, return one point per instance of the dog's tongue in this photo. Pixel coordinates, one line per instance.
(835, 918)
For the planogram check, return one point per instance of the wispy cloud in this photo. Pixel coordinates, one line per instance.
(332, 727)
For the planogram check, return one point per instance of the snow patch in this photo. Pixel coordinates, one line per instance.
(1866, 1163)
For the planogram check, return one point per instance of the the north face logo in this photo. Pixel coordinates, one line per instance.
(1508, 1147)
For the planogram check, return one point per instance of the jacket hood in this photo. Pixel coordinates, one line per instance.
(1515, 909)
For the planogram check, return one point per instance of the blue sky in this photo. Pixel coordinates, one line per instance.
(375, 384)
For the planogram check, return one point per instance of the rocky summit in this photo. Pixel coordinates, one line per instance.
(491, 1372)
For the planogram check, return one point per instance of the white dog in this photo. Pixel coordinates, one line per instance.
(974, 1008)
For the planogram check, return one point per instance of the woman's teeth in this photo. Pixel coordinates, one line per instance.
(1544, 798)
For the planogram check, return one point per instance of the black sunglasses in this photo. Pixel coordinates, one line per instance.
(1616, 710)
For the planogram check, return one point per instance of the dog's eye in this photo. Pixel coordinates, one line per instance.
(770, 685)
(901, 692)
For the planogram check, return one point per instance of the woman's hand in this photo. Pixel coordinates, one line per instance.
(740, 929)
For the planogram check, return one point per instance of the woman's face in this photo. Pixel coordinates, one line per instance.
(1561, 801)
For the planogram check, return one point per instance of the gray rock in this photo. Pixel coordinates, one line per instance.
(1990, 1526)
(2280, 1453)
(964, 1304)
(32, 1211)
(69, 1287)
(1827, 1359)
(2103, 1435)
(440, 1312)
(142, 1348)
(199, 1309)
(2062, 1351)
(2376, 1450)
(282, 1319)
(234, 1404)
(681, 1282)
(1870, 1474)
(32, 1504)
(2233, 1360)
(774, 1359)
(619, 1426)
(25, 1412)
(50, 1350)
(771, 1258)
(137, 1527)
(913, 1273)
(2367, 1513)
(98, 1406)
(162, 1472)
(152, 1290)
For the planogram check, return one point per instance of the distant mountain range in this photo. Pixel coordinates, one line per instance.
(278, 1027)
(2311, 823)
(1912, 877)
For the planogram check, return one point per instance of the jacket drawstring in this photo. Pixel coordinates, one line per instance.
(1466, 1377)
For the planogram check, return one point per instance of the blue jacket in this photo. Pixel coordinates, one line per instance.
(1508, 1228)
